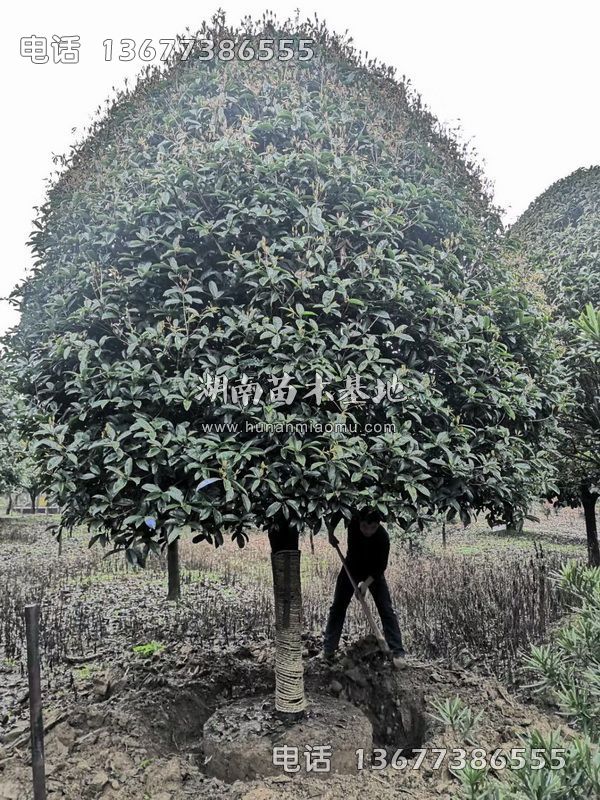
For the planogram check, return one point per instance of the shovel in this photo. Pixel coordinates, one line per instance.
(372, 624)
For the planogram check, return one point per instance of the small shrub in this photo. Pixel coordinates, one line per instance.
(457, 715)
(472, 781)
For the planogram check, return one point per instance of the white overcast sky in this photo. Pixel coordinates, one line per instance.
(521, 77)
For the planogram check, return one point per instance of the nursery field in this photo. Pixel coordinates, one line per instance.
(270, 291)
(129, 678)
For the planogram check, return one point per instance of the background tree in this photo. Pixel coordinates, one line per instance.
(30, 480)
(10, 467)
(559, 235)
(18, 468)
(303, 229)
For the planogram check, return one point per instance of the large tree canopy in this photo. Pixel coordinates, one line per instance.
(290, 222)
(559, 237)
(561, 233)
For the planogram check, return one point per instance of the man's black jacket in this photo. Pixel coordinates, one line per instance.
(367, 555)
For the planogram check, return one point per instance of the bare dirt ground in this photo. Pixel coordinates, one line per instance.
(135, 730)
(130, 679)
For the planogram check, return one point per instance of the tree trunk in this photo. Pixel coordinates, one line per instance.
(173, 571)
(588, 500)
(9, 506)
(282, 536)
(290, 700)
(32, 498)
(515, 520)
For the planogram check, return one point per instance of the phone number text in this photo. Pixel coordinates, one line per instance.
(458, 759)
(208, 49)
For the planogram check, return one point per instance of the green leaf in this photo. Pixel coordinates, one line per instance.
(176, 494)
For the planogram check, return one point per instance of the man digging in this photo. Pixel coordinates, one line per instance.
(366, 559)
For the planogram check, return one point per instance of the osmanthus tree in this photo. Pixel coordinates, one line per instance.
(10, 461)
(18, 469)
(242, 256)
(559, 238)
(580, 451)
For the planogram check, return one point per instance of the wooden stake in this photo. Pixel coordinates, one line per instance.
(32, 627)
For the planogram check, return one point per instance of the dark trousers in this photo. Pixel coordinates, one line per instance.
(341, 600)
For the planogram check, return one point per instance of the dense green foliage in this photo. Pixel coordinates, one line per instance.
(589, 337)
(18, 468)
(560, 240)
(561, 232)
(10, 471)
(266, 219)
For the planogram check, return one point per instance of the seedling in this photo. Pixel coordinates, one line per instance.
(457, 715)
(149, 649)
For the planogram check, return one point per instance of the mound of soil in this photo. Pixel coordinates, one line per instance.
(393, 700)
(242, 739)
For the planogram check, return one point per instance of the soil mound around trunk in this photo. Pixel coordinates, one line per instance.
(247, 739)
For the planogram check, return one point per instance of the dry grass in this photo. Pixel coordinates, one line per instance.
(474, 609)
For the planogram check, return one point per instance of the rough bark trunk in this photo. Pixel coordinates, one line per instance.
(290, 700)
(173, 571)
(588, 501)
